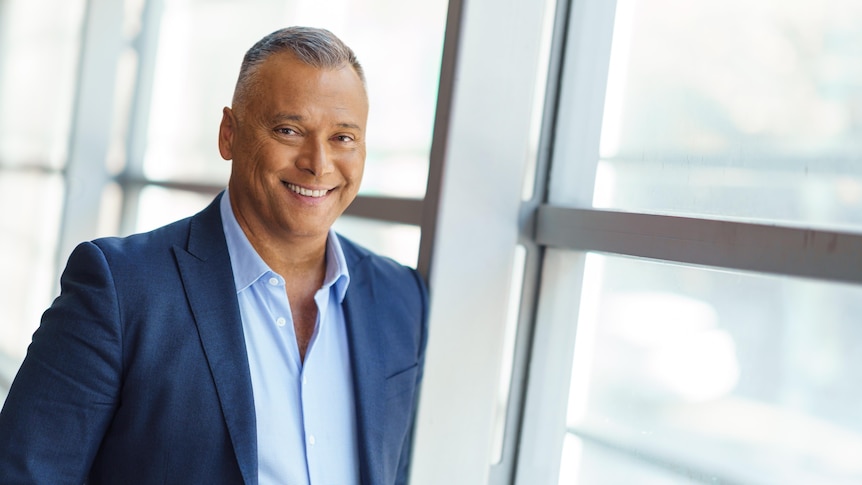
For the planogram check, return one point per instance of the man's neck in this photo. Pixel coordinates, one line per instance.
(295, 259)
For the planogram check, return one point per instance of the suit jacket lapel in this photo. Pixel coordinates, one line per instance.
(208, 280)
(360, 308)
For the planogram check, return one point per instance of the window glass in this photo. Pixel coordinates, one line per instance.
(737, 109)
(398, 43)
(586, 462)
(397, 241)
(723, 376)
(38, 64)
(158, 206)
(28, 243)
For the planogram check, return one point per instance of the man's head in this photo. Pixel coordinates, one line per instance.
(316, 47)
(295, 135)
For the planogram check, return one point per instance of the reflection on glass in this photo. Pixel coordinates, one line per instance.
(729, 377)
(735, 109)
(398, 43)
(28, 243)
(38, 61)
(397, 241)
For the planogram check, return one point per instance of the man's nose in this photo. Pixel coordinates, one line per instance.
(315, 157)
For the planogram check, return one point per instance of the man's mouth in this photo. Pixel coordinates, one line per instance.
(306, 192)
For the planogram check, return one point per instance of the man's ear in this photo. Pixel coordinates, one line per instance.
(226, 131)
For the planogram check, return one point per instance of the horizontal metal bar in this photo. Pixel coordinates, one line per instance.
(792, 165)
(823, 254)
(197, 187)
(32, 169)
(391, 209)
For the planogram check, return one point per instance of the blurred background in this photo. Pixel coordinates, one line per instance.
(672, 372)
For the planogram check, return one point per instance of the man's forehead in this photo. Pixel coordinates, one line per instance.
(280, 62)
(282, 117)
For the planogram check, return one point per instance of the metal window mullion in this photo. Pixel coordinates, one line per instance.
(470, 219)
(146, 46)
(571, 175)
(763, 248)
(86, 171)
(390, 209)
(440, 138)
(399, 210)
(504, 472)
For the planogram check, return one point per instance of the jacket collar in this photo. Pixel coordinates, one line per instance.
(361, 310)
(208, 280)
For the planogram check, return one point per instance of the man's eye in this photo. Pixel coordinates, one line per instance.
(344, 138)
(286, 131)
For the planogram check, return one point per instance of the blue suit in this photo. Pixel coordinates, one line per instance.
(138, 372)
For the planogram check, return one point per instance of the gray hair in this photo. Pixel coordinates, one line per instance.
(319, 48)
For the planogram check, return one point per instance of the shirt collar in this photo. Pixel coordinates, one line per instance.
(249, 267)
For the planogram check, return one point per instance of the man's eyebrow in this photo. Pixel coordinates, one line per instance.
(286, 117)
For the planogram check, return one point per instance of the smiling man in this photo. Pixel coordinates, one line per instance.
(249, 343)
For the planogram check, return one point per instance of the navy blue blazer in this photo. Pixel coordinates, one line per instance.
(138, 372)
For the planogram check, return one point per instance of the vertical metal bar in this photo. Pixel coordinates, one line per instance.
(506, 472)
(440, 138)
(571, 175)
(86, 171)
(146, 45)
(486, 142)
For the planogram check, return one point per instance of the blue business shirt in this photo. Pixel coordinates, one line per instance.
(306, 422)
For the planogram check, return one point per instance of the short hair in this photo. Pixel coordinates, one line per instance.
(316, 47)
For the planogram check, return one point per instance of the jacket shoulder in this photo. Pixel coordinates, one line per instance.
(206, 223)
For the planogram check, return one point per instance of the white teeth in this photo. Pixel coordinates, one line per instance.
(306, 192)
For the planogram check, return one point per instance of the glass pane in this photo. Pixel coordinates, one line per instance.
(398, 43)
(585, 462)
(721, 376)
(28, 242)
(38, 64)
(158, 206)
(397, 241)
(736, 109)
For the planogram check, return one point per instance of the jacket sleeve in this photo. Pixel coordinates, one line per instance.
(65, 393)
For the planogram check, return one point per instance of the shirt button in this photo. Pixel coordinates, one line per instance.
(280, 322)
(273, 281)
(311, 440)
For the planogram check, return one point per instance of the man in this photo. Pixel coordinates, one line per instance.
(248, 343)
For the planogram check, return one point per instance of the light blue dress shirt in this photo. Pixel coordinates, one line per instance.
(306, 420)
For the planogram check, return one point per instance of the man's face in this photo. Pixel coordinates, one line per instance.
(297, 141)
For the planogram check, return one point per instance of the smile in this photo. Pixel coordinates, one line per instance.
(306, 192)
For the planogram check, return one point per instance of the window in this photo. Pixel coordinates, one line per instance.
(718, 375)
(686, 324)
(111, 111)
(193, 80)
(38, 56)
